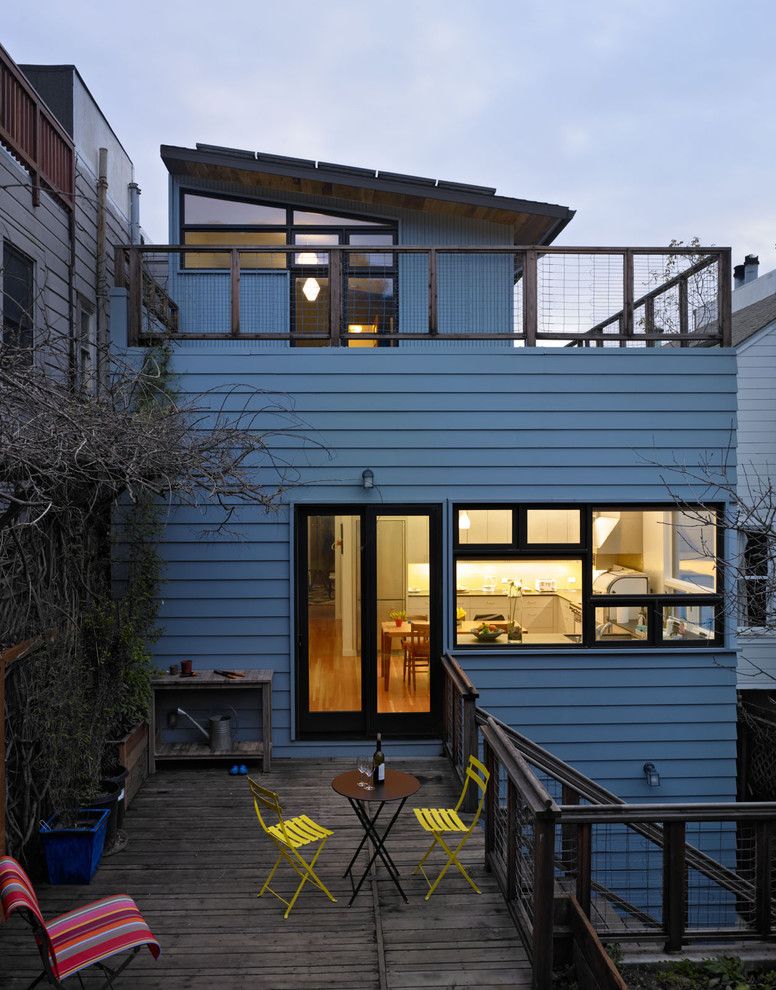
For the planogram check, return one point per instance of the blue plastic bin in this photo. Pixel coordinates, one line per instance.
(72, 854)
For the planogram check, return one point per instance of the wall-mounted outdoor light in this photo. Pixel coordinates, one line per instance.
(651, 775)
(367, 479)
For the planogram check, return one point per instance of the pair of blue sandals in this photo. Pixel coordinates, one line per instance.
(238, 770)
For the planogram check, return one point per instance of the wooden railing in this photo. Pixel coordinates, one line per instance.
(676, 873)
(149, 303)
(33, 135)
(528, 296)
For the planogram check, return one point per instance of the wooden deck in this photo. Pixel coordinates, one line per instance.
(196, 858)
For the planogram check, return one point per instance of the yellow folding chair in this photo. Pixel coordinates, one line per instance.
(290, 835)
(446, 821)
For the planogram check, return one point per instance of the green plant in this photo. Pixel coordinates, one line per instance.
(398, 614)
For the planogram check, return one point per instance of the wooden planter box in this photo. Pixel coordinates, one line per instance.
(132, 753)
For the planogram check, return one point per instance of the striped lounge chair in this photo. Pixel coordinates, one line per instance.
(78, 939)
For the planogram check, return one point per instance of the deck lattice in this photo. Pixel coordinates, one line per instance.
(196, 858)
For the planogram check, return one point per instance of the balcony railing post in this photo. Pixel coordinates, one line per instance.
(724, 301)
(584, 865)
(120, 267)
(135, 318)
(627, 296)
(543, 900)
(335, 297)
(530, 298)
(234, 291)
(490, 804)
(762, 868)
(432, 292)
(510, 887)
(674, 885)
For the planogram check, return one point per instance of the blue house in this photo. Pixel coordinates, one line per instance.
(482, 441)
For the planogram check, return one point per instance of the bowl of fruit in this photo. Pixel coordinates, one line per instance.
(486, 632)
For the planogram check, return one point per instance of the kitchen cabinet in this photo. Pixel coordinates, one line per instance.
(626, 536)
(417, 605)
(391, 566)
(538, 613)
(488, 526)
(553, 526)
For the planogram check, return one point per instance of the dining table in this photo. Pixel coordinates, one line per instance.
(395, 789)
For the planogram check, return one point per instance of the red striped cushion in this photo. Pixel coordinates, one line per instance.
(96, 932)
(16, 893)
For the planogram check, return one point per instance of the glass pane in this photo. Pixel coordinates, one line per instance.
(655, 552)
(403, 617)
(314, 240)
(617, 623)
(311, 308)
(334, 613)
(211, 210)
(329, 220)
(233, 238)
(485, 526)
(507, 602)
(694, 623)
(553, 526)
(370, 306)
(358, 259)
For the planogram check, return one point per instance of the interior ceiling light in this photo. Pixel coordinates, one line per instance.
(311, 289)
(464, 522)
(307, 258)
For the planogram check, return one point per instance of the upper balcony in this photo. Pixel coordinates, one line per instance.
(34, 136)
(373, 292)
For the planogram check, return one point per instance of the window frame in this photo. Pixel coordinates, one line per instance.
(653, 603)
(361, 225)
(23, 352)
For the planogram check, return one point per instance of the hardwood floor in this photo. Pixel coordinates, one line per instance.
(196, 858)
(335, 679)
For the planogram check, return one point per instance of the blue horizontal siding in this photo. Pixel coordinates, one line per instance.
(517, 425)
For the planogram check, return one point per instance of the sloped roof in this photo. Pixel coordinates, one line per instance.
(532, 222)
(750, 319)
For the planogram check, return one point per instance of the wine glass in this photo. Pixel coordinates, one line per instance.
(365, 766)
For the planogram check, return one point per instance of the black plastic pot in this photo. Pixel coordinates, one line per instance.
(107, 799)
(118, 775)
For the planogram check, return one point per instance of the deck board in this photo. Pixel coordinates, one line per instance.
(196, 858)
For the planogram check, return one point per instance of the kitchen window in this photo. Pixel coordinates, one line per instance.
(586, 575)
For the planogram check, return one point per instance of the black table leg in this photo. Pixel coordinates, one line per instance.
(368, 824)
(354, 804)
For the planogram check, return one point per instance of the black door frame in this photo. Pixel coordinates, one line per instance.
(364, 724)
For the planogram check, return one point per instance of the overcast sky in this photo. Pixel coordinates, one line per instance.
(653, 119)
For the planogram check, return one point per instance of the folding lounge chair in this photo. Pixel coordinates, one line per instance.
(87, 936)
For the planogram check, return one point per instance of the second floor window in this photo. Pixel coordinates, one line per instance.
(754, 589)
(368, 289)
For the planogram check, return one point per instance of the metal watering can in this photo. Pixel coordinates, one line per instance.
(220, 734)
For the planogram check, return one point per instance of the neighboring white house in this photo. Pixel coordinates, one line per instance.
(754, 336)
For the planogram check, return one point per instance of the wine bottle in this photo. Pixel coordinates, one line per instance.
(378, 763)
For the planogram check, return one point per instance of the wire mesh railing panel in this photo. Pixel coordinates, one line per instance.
(626, 873)
(577, 293)
(710, 904)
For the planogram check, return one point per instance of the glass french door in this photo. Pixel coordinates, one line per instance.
(367, 617)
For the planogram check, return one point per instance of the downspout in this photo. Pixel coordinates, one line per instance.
(71, 344)
(102, 281)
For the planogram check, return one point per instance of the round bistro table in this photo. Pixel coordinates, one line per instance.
(397, 787)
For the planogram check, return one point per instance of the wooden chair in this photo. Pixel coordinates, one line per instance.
(417, 651)
(440, 822)
(87, 936)
(290, 835)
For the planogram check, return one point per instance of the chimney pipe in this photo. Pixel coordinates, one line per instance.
(738, 276)
(134, 213)
(751, 268)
